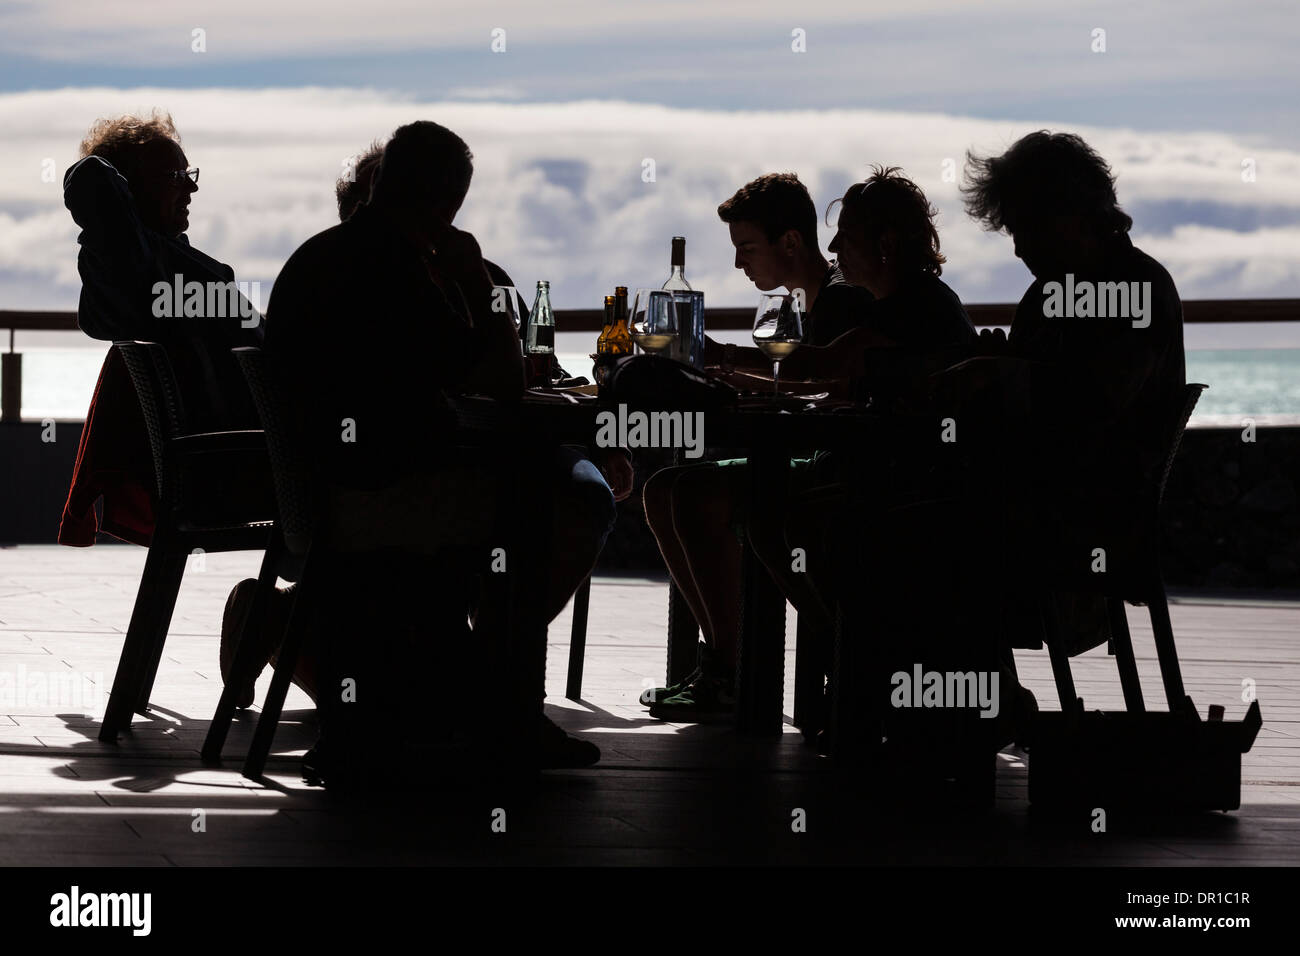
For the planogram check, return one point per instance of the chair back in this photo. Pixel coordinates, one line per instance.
(160, 403)
(1180, 413)
(294, 490)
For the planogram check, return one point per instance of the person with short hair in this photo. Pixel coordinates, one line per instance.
(373, 323)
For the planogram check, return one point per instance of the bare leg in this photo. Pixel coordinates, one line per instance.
(774, 540)
(657, 496)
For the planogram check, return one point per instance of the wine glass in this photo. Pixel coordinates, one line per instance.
(654, 319)
(778, 330)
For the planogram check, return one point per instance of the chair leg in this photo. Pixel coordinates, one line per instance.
(809, 674)
(295, 633)
(1060, 658)
(1163, 629)
(243, 664)
(166, 605)
(578, 640)
(1122, 643)
(150, 619)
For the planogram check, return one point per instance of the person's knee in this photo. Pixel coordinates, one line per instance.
(588, 503)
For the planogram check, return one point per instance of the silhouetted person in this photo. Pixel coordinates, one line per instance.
(583, 486)
(130, 194)
(1105, 379)
(888, 247)
(372, 323)
(1074, 404)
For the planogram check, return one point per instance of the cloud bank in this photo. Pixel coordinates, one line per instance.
(559, 194)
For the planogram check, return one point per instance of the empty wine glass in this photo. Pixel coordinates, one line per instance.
(778, 329)
(654, 319)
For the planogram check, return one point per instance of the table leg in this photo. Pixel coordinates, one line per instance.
(760, 661)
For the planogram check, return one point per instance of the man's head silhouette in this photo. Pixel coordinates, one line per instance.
(147, 152)
(423, 176)
(1055, 196)
(773, 225)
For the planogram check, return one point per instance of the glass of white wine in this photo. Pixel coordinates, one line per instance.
(778, 330)
(654, 319)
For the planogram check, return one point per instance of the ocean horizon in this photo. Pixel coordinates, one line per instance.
(58, 382)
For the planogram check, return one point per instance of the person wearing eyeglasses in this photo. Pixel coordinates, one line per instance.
(130, 193)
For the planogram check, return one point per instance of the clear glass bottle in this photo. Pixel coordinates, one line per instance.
(689, 347)
(541, 323)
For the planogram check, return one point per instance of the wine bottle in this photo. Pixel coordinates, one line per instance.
(689, 347)
(602, 343)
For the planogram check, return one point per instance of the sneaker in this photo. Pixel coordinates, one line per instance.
(558, 750)
(651, 695)
(709, 698)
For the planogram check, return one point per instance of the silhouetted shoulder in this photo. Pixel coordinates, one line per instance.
(838, 308)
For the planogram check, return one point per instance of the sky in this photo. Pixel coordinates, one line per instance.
(1194, 104)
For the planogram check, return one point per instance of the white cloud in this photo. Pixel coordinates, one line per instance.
(558, 193)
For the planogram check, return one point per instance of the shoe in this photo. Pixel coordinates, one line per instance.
(557, 750)
(652, 694)
(709, 698)
(232, 624)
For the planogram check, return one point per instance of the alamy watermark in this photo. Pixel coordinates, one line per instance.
(651, 430)
(74, 908)
(946, 689)
(72, 691)
(208, 300)
(1098, 300)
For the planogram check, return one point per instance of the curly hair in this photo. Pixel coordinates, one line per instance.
(777, 202)
(118, 139)
(351, 193)
(1043, 172)
(887, 201)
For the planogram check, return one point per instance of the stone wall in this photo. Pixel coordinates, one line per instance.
(1231, 517)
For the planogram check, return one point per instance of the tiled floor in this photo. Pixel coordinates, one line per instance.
(661, 794)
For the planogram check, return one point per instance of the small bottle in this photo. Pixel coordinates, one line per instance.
(604, 350)
(620, 336)
(689, 347)
(541, 323)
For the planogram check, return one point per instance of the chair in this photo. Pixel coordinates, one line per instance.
(302, 538)
(191, 516)
(1134, 576)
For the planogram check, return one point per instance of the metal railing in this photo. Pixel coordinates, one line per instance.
(590, 320)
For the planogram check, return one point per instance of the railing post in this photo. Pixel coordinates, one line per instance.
(11, 383)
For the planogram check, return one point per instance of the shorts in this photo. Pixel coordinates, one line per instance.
(805, 473)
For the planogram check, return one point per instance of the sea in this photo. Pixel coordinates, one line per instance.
(1263, 384)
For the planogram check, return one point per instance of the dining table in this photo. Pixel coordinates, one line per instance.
(769, 430)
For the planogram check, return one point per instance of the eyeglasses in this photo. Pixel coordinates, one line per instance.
(178, 176)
